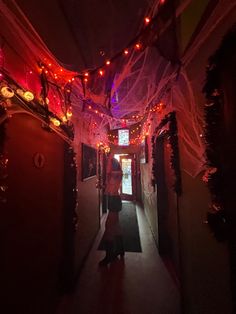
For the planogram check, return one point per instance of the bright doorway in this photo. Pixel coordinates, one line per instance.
(127, 190)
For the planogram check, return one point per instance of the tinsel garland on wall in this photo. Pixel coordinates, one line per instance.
(172, 132)
(70, 221)
(213, 177)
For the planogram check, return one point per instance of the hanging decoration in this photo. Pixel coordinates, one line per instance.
(11, 91)
(169, 121)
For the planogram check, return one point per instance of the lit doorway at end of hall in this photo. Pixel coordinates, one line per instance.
(126, 161)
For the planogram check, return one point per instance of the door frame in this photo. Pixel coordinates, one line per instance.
(131, 197)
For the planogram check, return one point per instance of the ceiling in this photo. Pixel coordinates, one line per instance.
(83, 34)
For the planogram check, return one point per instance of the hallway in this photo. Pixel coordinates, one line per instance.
(103, 101)
(140, 284)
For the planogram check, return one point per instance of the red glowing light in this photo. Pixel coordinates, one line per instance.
(30, 72)
(108, 62)
(101, 72)
(126, 51)
(49, 64)
(137, 46)
(162, 1)
(89, 107)
(85, 80)
(86, 74)
(147, 20)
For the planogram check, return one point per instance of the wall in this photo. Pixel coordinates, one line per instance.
(205, 262)
(88, 196)
(149, 195)
(205, 275)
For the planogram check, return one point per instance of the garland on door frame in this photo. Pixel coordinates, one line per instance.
(216, 217)
(173, 141)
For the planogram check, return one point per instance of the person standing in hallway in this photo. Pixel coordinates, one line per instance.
(113, 237)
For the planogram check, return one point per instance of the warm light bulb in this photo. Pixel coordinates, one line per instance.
(108, 62)
(137, 46)
(28, 96)
(69, 113)
(126, 51)
(55, 121)
(7, 92)
(147, 20)
(86, 74)
(101, 72)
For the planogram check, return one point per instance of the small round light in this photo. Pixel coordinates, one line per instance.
(138, 46)
(55, 121)
(101, 72)
(7, 92)
(147, 20)
(126, 51)
(28, 96)
(69, 113)
(108, 62)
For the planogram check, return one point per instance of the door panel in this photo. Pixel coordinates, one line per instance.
(128, 191)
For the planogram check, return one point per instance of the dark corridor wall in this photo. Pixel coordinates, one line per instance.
(31, 222)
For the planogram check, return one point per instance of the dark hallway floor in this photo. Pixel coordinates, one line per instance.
(138, 285)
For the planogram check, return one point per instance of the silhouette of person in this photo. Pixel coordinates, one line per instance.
(113, 236)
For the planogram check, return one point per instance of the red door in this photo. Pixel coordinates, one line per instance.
(128, 190)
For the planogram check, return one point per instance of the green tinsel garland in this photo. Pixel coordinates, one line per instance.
(174, 160)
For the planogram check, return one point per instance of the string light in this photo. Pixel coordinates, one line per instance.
(7, 92)
(55, 121)
(28, 96)
(147, 20)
